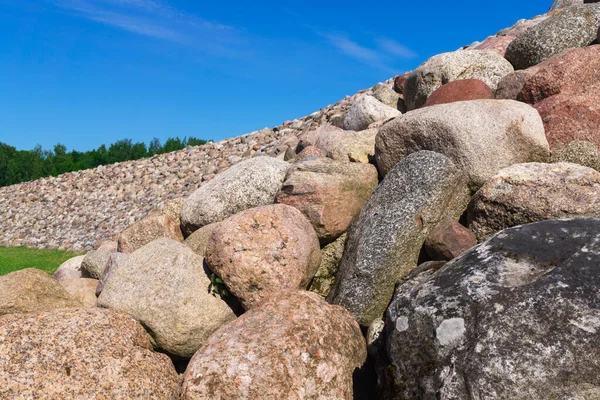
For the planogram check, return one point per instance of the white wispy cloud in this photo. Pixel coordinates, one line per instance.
(394, 48)
(153, 18)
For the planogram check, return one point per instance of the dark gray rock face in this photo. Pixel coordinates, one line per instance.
(384, 243)
(575, 26)
(516, 317)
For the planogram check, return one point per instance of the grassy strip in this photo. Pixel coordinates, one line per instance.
(16, 258)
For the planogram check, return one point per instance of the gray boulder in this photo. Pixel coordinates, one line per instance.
(568, 3)
(164, 285)
(95, 262)
(516, 317)
(250, 183)
(480, 136)
(71, 269)
(367, 110)
(385, 94)
(198, 241)
(384, 243)
(575, 26)
(485, 65)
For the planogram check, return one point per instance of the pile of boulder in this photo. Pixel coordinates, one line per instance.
(439, 239)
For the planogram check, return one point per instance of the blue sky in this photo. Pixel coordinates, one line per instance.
(88, 72)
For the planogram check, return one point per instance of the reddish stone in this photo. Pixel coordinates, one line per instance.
(448, 241)
(399, 82)
(496, 43)
(461, 90)
(311, 151)
(565, 90)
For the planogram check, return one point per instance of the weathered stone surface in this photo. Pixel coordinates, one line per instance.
(348, 145)
(385, 94)
(251, 183)
(331, 256)
(575, 26)
(32, 290)
(485, 65)
(329, 193)
(83, 353)
(95, 262)
(262, 251)
(568, 3)
(71, 269)
(384, 243)
(511, 85)
(292, 346)
(496, 43)
(311, 151)
(448, 241)
(367, 110)
(399, 82)
(513, 318)
(479, 136)
(566, 92)
(144, 231)
(531, 192)
(82, 290)
(579, 152)
(115, 258)
(173, 210)
(461, 90)
(165, 287)
(198, 240)
(522, 26)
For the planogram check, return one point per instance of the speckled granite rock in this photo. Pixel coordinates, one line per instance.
(292, 346)
(367, 110)
(82, 289)
(32, 290)
(331, 256)
(513, 318)
(81, 354)
(264, 250)
(579, 152)
(165, 287)
(146, 230)
(95, 262)
(198, 240)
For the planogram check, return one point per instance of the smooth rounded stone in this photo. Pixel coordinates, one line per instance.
(575, 26)
(165, 287)
(310, 138)
(32, 290)
(331, 256)
(82, 290)
(262, 251)
(512, 318)
(579, 152)
(461, 90)
(485, 65)
(367, 110)
(511, 85)
(147, 229)
(525, 193)
(81, 353)
(115, 258)
(348, 146)
(400, 81)
(311, 151)
(384, 243)
(70, 269)
(250, 183)
(566, 92)
(448, 241)
(198, 240)
(480, 136)
(385, 94)
(292, 346)
(95, 262)
(498, 44)
(329, 193)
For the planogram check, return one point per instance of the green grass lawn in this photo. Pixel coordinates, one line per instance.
(16, 258)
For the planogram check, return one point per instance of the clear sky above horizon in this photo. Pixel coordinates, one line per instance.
(90, 72)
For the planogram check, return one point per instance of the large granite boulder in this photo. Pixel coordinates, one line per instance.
(32, 290)
(566, 92)
(82, 290)
(461, 90)
(575, 26)
(384, 242)
(198, 241)
(349, 146)
(525, 193)
(153, 226)
(479, 136)
(329, 193)
(250, 183)
(367, 110)
(485, 65)
(516, 317)
(164, 285)
(579, 152)
(82, 353)
(264, 250)
(71, 269)
(292, 346)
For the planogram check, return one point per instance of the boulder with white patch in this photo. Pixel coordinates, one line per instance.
(516, 317)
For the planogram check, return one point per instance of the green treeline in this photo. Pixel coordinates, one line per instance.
(18, 166)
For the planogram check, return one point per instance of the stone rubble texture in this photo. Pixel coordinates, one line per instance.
(292, 346)
(93, 354)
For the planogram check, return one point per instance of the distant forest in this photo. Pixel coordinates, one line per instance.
(18, 166)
